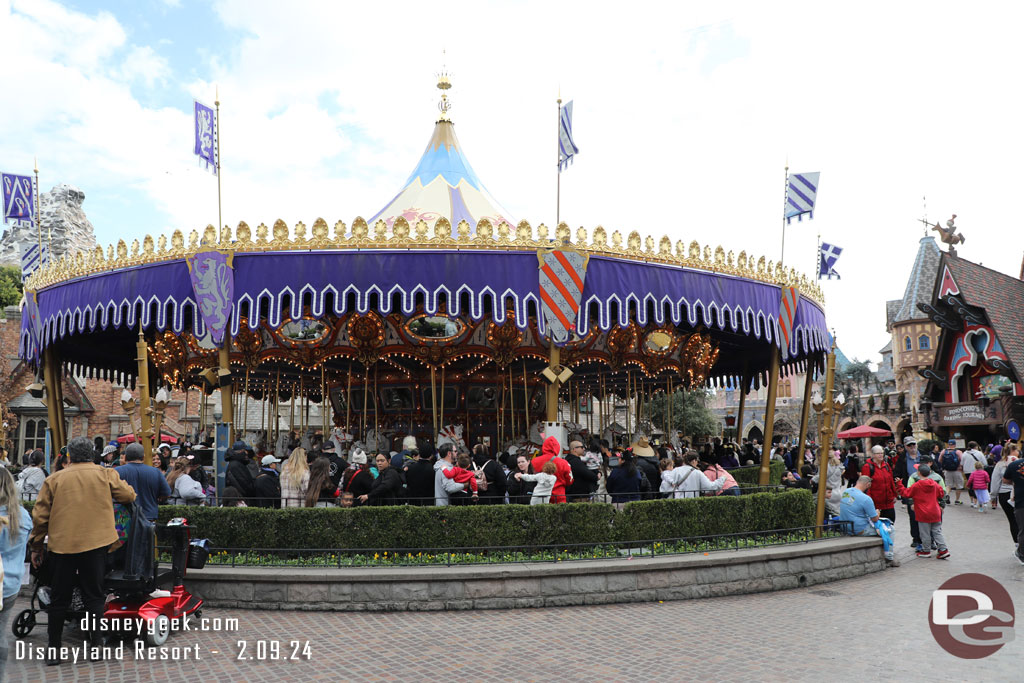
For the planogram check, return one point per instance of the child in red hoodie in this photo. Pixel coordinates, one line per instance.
(926, 494)
(462, 474)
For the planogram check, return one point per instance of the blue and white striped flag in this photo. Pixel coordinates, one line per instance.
(18, 197)
(32, 260)
(828, 254)
(567, 149)
(801, 193)
(205, 135)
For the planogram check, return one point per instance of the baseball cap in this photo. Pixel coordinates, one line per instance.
(952, 441)
(268, 459)
(909, 440)
(926, 458)
(327, 446)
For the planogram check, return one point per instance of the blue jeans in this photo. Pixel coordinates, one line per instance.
(734, 491)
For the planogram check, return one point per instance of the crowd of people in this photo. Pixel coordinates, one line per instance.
(590, 470)
(90, 479)
(925, 483)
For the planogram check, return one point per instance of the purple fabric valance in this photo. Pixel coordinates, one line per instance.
(278, 284)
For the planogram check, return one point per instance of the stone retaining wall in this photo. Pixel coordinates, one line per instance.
(678, 577)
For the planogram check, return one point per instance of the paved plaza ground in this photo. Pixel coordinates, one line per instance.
(873, 626)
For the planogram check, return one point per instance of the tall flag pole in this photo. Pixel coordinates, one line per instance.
(216, 103)
(828, 254)
(558, 185)
(207, 141)
(39, 216)
(801, 195)
(785, 209)
(21, 209)
(566, 149)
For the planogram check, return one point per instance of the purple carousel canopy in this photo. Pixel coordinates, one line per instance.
(277, 286)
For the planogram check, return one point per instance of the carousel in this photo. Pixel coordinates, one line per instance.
(439, 317)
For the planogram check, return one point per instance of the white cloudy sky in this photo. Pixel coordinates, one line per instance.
(685, 114)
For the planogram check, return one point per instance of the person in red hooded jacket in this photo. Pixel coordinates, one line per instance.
(883, 488)
(563, 472)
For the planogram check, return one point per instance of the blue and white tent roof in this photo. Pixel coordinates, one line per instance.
(443, 184)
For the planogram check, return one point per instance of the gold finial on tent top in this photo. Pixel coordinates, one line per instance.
(444, 84)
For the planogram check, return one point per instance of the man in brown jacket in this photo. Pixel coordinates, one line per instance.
(74, 508)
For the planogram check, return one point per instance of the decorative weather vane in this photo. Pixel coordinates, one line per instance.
(948, 234)
(444, 84)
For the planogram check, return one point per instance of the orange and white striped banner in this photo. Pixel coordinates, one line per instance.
(787, 314)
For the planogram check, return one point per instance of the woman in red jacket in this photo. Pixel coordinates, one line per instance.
(563, 471)
(883, 488)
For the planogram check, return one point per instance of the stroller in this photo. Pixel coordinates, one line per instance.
(136, 586)
(41, 580)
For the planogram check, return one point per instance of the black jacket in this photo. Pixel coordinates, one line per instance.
(584, 479)
(650, 468)
(496, 483)
(419, 482)
(387, 488)
(358, 483)
(238, 474)
(267, 490)
(519, 492)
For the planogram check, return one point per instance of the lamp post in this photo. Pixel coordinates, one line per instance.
(151, 418)
(828, 408)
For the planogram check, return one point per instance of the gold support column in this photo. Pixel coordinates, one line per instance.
(743, 386)
(146, 429)
(226, 406)
(51, 381)
(805, 416)
(769, 417)
(826, 439)
(552, 395)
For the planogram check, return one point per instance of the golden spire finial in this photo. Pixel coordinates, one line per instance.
(444, 84)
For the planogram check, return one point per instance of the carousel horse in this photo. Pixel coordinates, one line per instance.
(341, 439)
(451, 434)
(377, 441)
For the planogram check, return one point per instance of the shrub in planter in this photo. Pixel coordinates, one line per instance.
(747, 476)
(399, 526)
(687, 517)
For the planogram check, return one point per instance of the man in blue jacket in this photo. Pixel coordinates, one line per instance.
(148, 481)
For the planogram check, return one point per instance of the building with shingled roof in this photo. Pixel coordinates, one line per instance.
(913, 335)
(974, 389)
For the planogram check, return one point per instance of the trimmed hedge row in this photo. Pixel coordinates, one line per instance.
(494, 525)
(747, 476)
(689, 517)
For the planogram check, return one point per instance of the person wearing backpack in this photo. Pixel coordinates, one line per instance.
(967, 466)
(490, 477)
(952, 466)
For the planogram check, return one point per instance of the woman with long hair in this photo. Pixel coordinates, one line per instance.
(320, 490)
(184, 489)
(15, 526)
(294, 479)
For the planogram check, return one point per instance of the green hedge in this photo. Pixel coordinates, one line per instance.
(748, 476)
(494, 525)
(401, 526)
(407, 526)
(688, 517)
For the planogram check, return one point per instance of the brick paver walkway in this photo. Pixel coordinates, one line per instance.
(874, 626)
